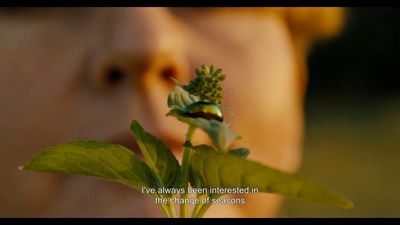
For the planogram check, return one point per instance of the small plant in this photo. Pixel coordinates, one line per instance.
(203, 166)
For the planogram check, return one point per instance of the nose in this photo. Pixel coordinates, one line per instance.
(139, 44)
(142, 49)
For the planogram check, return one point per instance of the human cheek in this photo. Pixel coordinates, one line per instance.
(36, 67)
(34, 71)
(270, 113)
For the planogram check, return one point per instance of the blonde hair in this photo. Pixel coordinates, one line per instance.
(306, 24)
(310, 24)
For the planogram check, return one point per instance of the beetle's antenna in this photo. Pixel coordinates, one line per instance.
(227, 110)
(176, 81)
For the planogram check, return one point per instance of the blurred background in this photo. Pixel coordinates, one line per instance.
(352, 138)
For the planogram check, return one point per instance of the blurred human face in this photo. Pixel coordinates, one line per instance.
(85, 73)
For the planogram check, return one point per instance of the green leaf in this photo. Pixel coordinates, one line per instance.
(219, 169)
(93, 158)
(202, 147)
(240, 152)
(219, 132)
(179, 98)
(194, 180)
(158, 157)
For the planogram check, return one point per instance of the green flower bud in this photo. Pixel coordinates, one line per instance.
(207, 84)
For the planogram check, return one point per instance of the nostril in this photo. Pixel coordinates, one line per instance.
(114, 76)
(168, 72)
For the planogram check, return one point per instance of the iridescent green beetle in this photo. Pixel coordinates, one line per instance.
(204, 110)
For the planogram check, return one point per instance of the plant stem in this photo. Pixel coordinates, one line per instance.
(198, 205)
(168, 209)
(165, 209)
(204, 207)
(171, 209)
(184, 208)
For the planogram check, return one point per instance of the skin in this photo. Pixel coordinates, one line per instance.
(55, 86)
